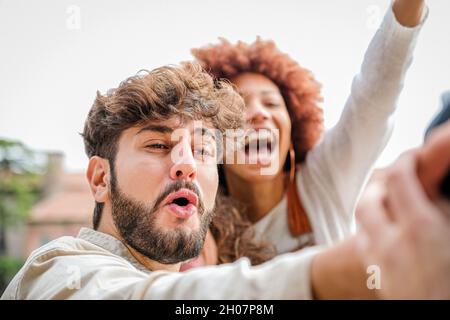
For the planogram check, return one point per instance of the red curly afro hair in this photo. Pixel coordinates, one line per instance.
(301, 92)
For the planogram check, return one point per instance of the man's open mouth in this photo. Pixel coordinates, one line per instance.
(182, 203)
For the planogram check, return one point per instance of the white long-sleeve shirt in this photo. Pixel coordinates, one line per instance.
(95, 265)
(335, 171)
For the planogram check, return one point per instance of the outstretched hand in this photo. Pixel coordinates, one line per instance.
(406, 224)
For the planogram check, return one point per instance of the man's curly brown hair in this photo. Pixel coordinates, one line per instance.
(188, 92)
(297, 85)
(184, 91)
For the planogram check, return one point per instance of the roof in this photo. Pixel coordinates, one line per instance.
(71, 203)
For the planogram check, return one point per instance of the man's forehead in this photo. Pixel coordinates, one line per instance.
(176, 124)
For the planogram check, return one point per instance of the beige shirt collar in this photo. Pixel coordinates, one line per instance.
(111, 244)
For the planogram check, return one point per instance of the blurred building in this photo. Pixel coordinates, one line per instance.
(67, 206)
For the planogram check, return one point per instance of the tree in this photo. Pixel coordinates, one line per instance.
(20, 187)
(20, 184)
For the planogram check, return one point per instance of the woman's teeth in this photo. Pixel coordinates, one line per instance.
(258, 146)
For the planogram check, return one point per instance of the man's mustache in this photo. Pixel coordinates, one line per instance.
(175, 186)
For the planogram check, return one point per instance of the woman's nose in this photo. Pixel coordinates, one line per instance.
(256, 112)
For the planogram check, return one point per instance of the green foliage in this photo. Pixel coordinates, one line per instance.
(9, 266)
(18, 192)
(20, 181)
(20, 187)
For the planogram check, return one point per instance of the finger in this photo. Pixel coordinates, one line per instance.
(406, 198)
(376, 235)
(371, 212)
(364, 247)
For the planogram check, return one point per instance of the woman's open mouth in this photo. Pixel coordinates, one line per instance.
(182, 203)
(259, 146)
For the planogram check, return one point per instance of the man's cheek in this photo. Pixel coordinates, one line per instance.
(209, 182)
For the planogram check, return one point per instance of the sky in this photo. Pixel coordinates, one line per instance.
(55, 55)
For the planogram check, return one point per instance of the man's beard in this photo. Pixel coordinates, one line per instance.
(136, 223)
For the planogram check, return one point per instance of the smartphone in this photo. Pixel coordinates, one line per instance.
(445, 186)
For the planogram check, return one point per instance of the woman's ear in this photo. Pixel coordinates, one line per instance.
(98, 176)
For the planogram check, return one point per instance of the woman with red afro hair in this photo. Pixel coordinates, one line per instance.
(310, 198)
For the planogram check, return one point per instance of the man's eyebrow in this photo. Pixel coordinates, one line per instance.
(156, 128)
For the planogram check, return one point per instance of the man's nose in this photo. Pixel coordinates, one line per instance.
(184, 166)
(256, 112)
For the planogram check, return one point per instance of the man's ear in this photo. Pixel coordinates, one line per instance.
(98, 176)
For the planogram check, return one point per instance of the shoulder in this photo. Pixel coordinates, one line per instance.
(56, 261)
(66, 245)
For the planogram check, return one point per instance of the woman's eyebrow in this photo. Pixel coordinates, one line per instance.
(268, 92)
(262, 92)
(205, 132)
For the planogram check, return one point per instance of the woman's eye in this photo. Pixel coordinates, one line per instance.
(202, 152)
(272, 104)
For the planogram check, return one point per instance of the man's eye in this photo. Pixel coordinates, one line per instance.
(159, 146)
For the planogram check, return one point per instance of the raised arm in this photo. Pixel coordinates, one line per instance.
(341, 163)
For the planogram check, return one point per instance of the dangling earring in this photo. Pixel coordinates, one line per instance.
(297, 218)
(292, 163)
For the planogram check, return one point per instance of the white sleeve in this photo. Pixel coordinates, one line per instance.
(108, 277)
(341, 162)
